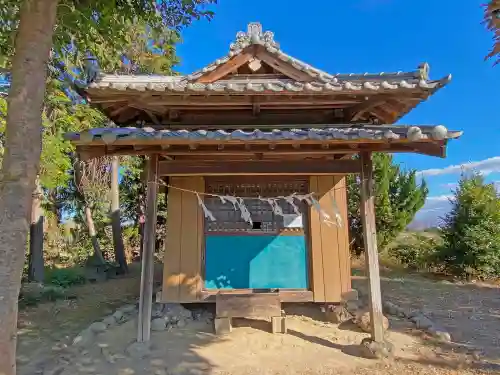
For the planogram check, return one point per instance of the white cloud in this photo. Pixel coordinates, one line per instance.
(437, 203)
(450, 185)
(485, 167)
(432, 211)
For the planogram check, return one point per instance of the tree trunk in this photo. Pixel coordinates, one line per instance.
(52, 230)
(88, 212)
(35, 267)
(115, 217)
(23, 144)
(93, 233)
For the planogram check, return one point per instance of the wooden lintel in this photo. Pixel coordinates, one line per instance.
(267, 98)
(257, 167)
(303, 149)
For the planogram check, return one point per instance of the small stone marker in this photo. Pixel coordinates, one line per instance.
(278, 324)
(158, 324)
(376, 350)
(138, 350)
(337, 314)
(98, 327)
(363, 321)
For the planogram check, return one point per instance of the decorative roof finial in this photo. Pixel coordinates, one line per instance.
(423, 70)
(254, 35)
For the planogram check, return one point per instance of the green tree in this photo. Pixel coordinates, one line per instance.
(38, 30)
(398, 197)
(492, 21)
(471, 231)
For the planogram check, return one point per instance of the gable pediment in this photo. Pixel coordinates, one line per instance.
(256, 52)
(254, 59)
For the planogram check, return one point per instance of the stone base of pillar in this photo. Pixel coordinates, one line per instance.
(377, 350)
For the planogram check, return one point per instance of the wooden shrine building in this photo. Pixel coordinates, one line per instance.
(259, 123)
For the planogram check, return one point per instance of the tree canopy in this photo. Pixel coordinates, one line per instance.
(471, 230)
(107, 30)
(398, 197)
(492, 21)
(128, 35)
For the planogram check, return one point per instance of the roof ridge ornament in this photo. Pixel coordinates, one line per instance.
(423, 71)
(253, 35)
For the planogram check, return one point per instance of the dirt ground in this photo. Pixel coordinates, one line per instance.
(312, 346)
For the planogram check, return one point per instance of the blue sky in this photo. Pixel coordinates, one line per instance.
(385, 35)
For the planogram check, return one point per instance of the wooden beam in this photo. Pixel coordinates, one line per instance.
(303, 149)
(370, 242)
(268, 117)
(223, 70)
(120, 109)
(357, 111)
(257, 167)
(383, 115)
(154, 99)
(282, 66)
(147, 270)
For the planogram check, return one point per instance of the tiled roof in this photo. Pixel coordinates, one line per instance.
(372, 132)
(179, 85)
(322, 81)
(255, 36)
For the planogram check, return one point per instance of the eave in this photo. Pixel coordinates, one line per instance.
(289, 86)
(276, 143)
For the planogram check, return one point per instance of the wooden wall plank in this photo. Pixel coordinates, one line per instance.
(317, 279)
(343, 235)
(172, 253)
(190, 244)
(329, 240)
(201, 240)
(330, 260)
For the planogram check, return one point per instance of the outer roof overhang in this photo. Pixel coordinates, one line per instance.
(430, 140)
(221, 86)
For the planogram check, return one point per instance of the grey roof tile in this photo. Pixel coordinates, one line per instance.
(366, 132)
(143, 83)
(323, 81)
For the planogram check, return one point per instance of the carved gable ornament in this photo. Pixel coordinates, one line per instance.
(254, 35)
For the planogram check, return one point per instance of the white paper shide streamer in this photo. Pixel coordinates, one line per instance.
(293, 200)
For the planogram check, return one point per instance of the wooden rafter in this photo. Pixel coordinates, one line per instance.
(356, 112)
(383, 115)
(223, 70)
(282, 66)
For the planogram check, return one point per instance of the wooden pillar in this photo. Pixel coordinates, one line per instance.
(370, 242)
(147, 270)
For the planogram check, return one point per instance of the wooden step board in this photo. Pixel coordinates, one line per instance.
(248, 305)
